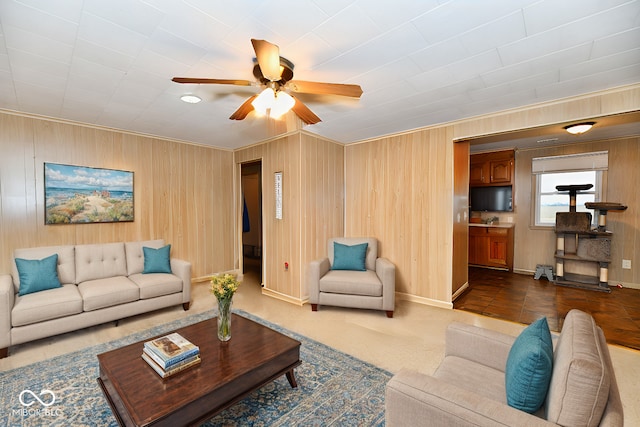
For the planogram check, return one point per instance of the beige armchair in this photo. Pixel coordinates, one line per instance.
(373, 288)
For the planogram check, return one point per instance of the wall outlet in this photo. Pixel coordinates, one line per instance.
(626, 264)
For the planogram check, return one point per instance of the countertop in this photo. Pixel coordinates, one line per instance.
(494, 225)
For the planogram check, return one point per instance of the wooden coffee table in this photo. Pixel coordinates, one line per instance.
(255, 356)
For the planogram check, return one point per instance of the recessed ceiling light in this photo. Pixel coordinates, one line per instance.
(579, 128)
(191, 99)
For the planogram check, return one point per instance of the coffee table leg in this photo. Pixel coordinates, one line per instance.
(292, 379)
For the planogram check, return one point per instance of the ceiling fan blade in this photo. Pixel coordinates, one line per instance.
(305, 114)
(244, 109)
(212, 81)
(268, 56)
(325, 88)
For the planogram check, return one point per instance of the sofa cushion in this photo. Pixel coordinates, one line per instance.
(38, 275)
(156, 260)
(580, 383)
(347, 257)
(156, 284)
(473, 376)
(66, 262)
(351, 282)
(100, 261)
(529, 367)
(135, 256)
(46, 305)
(101, 293)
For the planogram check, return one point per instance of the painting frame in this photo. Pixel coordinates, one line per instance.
(87, 195)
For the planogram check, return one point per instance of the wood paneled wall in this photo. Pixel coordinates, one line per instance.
(312, 208)
(178, 189)
(322, 199)
(620, 184)
(400, 190)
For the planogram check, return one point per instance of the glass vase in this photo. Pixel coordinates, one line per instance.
(224, 319)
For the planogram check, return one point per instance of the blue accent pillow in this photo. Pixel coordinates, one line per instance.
(529, 367)
(349, 257)
(38, 275)
(156, 260)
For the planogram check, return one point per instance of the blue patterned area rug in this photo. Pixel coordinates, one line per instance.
(333, 389)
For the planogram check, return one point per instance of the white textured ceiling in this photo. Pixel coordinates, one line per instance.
(110, 62)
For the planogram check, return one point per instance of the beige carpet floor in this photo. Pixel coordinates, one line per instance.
(413, 339)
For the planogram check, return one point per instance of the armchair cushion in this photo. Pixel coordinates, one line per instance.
(529, 366)
(351, 282)
(347, 257)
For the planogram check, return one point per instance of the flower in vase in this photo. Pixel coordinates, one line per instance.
(223, 286)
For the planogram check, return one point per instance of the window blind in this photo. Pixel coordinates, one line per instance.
(598, 160)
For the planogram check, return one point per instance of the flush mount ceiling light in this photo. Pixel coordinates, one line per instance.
(191, 99)
(579, 128)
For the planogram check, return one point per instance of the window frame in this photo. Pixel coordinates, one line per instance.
(580, 162)
(596, 191)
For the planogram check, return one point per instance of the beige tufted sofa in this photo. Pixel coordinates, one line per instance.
(100, 283)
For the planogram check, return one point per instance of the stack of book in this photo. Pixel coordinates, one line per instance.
(170, 354)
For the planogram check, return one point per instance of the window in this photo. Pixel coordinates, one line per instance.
(566, 170)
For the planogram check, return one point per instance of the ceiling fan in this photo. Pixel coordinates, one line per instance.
(275, 73)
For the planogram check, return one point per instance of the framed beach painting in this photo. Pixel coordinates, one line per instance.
(82, 195)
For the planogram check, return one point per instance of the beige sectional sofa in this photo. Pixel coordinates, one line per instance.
(468, 388)
(100, 283)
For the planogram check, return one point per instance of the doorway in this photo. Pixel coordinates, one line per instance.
(251, 190)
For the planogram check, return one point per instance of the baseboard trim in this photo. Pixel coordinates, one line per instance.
(460, 290)
(207, 278)
(282, 297)
(612, 283)
(424, 301)
(520, 271)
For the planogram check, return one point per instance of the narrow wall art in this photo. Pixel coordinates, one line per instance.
(80, 194)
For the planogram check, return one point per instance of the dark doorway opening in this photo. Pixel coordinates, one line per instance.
(251, 174)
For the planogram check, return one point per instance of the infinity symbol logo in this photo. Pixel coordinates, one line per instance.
(42, 402)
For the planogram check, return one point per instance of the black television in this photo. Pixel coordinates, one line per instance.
(491, 199)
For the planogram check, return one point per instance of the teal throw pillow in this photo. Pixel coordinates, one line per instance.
(529, 367)
(38, 275)
(349, 257)
(156, 260)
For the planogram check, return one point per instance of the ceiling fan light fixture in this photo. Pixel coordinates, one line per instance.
(273, 102)
(282, 104)
(579, 128)
(264, 101)
(190, 99)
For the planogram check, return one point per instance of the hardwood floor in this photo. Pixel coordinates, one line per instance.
(521, 298)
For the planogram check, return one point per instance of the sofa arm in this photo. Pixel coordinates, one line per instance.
(7, 295)
(182, 269)
(415, 399)
(484, 346)
(316, 270)
(386, 272)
